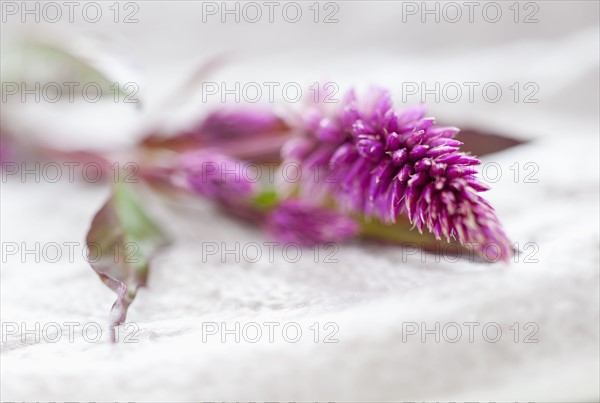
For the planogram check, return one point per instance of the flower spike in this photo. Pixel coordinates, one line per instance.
(388, 162)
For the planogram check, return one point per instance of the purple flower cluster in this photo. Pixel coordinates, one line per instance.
(382, 162)
(215, 176)
(297, 221)
(223, 125)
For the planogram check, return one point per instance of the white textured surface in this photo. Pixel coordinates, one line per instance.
(369, 293)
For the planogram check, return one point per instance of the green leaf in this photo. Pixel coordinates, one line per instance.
(57, 57)
(266, 199)
(403, 233)
(121, 242)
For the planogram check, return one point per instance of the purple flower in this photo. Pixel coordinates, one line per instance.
(231, 124)
(252, 134)
(306, 224)
(382, 163)
(216, 176)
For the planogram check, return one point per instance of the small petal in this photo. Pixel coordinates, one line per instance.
(418, 152)
(423, 165)
(371, 149)
(445, 132)
(399, 157)
(393, 141)
(467, 160)
(441, 150)
(418, 179)
(404, 173)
